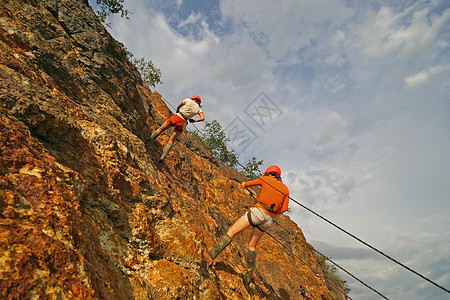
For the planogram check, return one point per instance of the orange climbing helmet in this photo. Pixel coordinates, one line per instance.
(196, 97)
(273, 169)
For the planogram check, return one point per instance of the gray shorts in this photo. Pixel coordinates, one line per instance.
(258, 218)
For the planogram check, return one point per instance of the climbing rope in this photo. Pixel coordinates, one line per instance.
(296, 256)
(363, 242)
(348, 233)
(351, 275)
(316, 272)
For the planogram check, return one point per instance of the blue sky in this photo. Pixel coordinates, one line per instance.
(350, 98)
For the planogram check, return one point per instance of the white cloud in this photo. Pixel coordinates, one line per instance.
(282, 26)
(340, 37)
(177, 56)
(409, 34)
(423, 76)
(331, 126)
(192, 19)
(384, 32)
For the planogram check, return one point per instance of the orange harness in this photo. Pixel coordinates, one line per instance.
(183, 115)
(271, 208)
(274, 197)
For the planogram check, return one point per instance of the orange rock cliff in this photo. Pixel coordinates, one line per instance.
(86, 209)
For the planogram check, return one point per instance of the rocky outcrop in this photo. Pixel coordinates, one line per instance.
(86, 210)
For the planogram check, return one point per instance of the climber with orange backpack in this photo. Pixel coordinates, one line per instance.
(273, 200)
(186, 110)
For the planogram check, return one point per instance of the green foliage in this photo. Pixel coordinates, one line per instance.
(251, 169)
(150, 74)
(330, 272)
(108, 7)
(216, 140)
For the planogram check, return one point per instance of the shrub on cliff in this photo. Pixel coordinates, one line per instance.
(330, 273)
(108, 7)
(251, 169)
(150, 74)
(216, 140)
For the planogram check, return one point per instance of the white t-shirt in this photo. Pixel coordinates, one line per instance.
(189, 109)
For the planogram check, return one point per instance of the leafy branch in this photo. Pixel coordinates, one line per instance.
(330, 272)
(150, 74)
(108, 7)
(216, 141)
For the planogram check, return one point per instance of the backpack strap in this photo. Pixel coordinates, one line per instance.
(269, 209)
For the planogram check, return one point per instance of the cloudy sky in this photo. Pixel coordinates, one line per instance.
(350, 98)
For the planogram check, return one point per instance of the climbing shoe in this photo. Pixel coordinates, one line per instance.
(165, 152)
(222, 244)
(154, 135)
(251, 261)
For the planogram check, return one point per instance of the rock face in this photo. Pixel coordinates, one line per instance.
(86, 210)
